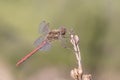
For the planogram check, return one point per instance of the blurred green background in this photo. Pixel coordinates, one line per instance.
(97, 22)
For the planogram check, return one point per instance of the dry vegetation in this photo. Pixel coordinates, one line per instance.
(78, 73)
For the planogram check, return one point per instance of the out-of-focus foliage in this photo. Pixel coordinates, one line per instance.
(97, 22)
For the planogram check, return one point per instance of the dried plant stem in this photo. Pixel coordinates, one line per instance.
(77, 73)
(75, 40)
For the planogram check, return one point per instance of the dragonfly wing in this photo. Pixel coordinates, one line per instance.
(44, 28)
(45, 47)
(63, 41)
(38, 41)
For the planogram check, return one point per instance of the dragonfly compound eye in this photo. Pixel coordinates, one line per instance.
(63, 31)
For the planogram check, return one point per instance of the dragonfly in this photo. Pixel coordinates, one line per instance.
(43, 43)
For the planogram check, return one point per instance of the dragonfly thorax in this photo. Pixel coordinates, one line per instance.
(53, 35)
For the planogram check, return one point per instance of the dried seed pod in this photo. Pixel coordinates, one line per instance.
(76, 74)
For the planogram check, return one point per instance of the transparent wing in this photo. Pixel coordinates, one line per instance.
(63, 41)
(44, 28)
(38, 41)
(45, 47)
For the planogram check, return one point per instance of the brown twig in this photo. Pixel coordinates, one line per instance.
(77, 73)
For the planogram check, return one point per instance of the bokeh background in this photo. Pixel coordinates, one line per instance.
(97, 22)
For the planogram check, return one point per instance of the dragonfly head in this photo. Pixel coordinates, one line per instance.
(63, 30)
